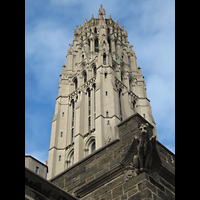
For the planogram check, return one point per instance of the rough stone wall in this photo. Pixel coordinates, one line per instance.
(142, 186)
(87, 173)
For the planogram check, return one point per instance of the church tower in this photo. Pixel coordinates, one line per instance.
(100, 86)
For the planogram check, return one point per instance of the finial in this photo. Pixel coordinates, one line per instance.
(77, 26)
(131, 47)
(110, 17)
(85, 22)
(70, 45)
(92, 16)
(116, 22)
(101, 13)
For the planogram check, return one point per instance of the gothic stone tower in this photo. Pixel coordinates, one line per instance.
(100, 86)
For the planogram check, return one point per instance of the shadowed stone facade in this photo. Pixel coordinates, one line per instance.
(103, 174)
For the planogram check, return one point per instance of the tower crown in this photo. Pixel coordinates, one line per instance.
(101, 13)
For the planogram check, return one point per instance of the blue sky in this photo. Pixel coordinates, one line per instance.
(49, 28)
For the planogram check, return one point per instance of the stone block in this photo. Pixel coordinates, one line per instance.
(88, 173)
(130, 183)
(146, 193)
(146, 184)
(117, 192)
(162, 195)
(155, 183)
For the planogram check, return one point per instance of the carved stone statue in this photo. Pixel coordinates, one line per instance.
(143, 159)
(141, 155)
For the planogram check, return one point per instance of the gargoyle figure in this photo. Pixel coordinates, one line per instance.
(142, 160)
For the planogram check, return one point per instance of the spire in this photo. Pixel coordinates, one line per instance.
(85, 22)
(101, 13)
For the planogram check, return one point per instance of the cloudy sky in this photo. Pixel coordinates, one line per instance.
(49, 28)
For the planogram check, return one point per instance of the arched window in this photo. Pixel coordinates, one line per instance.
(109, 45)
(104, 59)
(108, 31)
(96, 45)
(90, 146)
(95, 30)
(122, 76)
(130, 83)
(70, 159)
(75, 83)
(85, 76)
(89, 44)
(72, 113)
(134, 106)
(72, 135)
(120, 107)
(105, 75)
(93, 147)
(95, 71)
(106, 113)
(89, 110)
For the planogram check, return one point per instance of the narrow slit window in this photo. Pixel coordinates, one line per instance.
(96, 43)
(104, 59)
(36, 169)
(72, 135)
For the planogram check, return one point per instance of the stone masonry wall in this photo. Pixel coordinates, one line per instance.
(103, 161)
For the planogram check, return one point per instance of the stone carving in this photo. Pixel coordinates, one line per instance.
(142, 158)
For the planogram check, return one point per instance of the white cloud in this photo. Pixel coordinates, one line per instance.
(48, 31)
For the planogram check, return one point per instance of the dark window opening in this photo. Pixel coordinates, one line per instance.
(72, 135)
(95, 71)
(76, 83)
(93, 147)
(109, 45)
(36, 169)
(104, 59)
(95, 30)
(96, 43)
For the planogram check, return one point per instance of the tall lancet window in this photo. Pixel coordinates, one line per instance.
(96, 43)
(95, 71)
(85, 76)
(120, 107)
(72, 130)
(93, 147)
(94, 86)
(109, 45)
(75, 83)
(89, 110)
(104, 59)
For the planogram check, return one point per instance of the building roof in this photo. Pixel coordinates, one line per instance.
(37, 186)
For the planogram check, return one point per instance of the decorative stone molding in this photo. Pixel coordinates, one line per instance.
(143, 155)
(119, 85)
